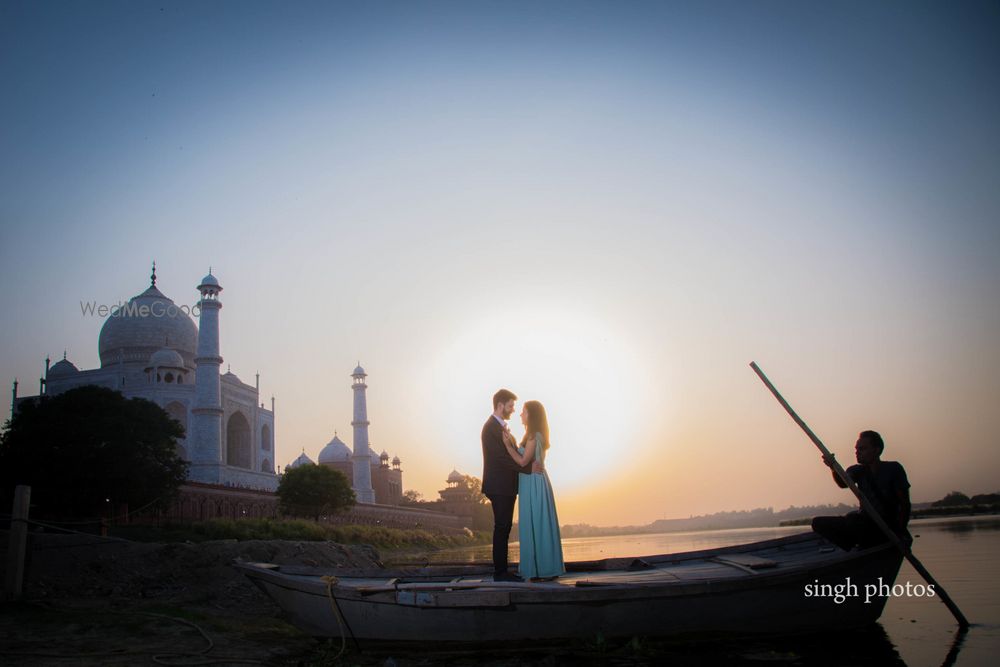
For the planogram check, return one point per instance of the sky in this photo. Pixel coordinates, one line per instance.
(612, 208)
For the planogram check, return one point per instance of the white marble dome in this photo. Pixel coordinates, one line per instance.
(133, 337)
(456, 476)
(335, 451)
(302, 460)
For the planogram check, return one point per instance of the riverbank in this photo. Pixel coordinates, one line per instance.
(107, 601)
(926, 513)
(170, 590)
(111, 602)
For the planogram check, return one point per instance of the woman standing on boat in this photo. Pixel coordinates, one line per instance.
(538, 524)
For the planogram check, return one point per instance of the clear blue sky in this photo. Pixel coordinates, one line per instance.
(612, 207)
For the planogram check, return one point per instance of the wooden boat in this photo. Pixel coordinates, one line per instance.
(751, 588)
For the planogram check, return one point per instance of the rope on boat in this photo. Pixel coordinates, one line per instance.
(332, 581)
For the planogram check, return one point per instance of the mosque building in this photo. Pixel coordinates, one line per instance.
(150, 348)
(374, 479)
(457, 498)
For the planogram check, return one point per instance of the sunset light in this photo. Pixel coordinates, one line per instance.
(585, 371)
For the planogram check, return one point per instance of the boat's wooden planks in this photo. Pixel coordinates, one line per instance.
(747, 560)
(471, 598)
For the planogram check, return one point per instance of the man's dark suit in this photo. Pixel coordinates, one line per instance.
(500, 486)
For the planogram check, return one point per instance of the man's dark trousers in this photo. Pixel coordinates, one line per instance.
(503, 520)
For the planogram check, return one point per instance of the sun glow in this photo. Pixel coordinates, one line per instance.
(583, 371)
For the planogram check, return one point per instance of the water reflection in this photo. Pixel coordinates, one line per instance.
(970, 525)
(956, 646)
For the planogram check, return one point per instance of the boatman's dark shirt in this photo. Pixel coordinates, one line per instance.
(882, 488)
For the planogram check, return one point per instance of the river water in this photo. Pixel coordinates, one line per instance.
(963, 555)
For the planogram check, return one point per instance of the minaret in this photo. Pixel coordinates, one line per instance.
(44, 380)
(206, 421)
(362, 456)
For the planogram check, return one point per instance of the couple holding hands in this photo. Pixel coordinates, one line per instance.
(510, 470)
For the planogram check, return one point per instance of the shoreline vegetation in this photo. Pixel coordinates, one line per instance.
(382, 538)
(398, 541)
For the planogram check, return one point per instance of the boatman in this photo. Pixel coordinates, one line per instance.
(884, 483)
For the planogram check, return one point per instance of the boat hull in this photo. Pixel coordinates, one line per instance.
(694, 596)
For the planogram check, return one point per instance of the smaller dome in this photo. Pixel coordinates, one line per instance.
(301, 461)
(62, 367)
(396, 461)
(335, 451)
(209, 281)
(230, 376)
(209, 286)
(456, 476)
(166, 358)
(384, 455)
(359, 371)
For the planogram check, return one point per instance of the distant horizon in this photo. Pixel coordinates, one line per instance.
(835, 505)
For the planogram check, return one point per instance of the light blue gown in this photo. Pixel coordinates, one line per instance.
(538, 524)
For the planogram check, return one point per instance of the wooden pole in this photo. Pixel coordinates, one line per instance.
(866, 504)
(14, 582)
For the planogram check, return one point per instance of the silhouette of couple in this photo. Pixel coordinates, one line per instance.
(511, 470)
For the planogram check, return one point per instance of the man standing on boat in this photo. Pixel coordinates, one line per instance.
(500, 479)
(884, 483)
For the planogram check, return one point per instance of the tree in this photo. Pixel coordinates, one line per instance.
(482, 514)
(411, 497)
(986, 499)
(475, 487)
(952, 499)
(88, 447)
(312, 490)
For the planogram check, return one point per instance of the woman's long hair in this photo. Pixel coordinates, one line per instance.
(538, 422)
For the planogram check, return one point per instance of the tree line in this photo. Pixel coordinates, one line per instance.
(89, 452)
(959, 499)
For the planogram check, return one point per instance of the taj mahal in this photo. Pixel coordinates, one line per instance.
(150, 348)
